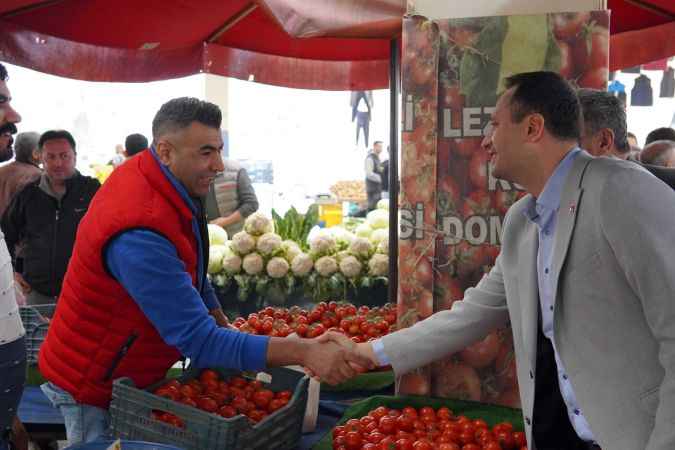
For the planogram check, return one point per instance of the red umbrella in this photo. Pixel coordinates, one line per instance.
(317, 44)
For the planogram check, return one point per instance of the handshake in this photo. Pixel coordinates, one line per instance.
(334, 358)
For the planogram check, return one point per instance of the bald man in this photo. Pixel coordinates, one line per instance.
(659, 153)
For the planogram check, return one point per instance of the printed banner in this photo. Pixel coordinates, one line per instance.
(452, 207)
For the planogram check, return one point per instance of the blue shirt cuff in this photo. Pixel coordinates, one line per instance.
(380, 355)
(209, 297)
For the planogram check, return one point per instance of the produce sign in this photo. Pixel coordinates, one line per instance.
(360, 324)
(226, 398)
(453, 72)
(327, 262)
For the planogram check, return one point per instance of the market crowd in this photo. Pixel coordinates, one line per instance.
(584, 273)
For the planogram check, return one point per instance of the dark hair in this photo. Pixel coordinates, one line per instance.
(599, 110)
(56, 134)
(135, 143)
(24, 144)
(660, 134)
(376, 142)
(548, 94)
(180, 112)
(3, 73)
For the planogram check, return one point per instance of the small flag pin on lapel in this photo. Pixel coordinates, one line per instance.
(573, 208)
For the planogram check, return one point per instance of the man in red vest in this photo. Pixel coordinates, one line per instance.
(135, 296)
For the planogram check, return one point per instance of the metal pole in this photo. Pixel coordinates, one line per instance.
(394, 87)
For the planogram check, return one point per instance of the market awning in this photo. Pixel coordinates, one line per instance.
(319, 44)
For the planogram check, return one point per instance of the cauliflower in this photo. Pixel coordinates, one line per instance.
(291, 249)
(268, 243)
(257, 224)
(378, 218)
(363, 230)
(383, 246)
(322, 244)
(350, 267)
(253, 264)
(302, 264)
(219, 280)
(361, 247)
(342, 237)
(216, 253)
(326, 266)
(217, 235)
(383, 204)
(379, 265)
(231, 262)
(378, 235)
(243, 243)
(339, 256)
(277, 267)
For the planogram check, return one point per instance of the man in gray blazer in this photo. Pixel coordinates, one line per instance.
(585, 276)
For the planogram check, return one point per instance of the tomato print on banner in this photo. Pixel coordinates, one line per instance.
(475, 55)
(418, 182)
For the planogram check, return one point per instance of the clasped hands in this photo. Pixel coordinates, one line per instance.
(334, 358)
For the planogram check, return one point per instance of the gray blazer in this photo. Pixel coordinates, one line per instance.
(614, 318)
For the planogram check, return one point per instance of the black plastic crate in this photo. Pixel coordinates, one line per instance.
(36, 320)
(131, 410)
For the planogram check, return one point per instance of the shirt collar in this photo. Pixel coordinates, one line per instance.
(540, 210)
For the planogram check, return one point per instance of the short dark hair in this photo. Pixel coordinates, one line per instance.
(548, 94)
(660, 134)
(24, 144)
(3, 73)
(180, 112)
(135, 143)
(56, 134)
(377, 142)
(599, 110)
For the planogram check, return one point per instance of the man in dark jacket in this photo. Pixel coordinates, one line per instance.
(45, 216)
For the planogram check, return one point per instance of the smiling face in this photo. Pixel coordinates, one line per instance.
(193, 155)
(505, 141)
(8, 118)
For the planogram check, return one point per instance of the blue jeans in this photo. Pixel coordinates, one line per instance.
(84, 423)
(12, 379)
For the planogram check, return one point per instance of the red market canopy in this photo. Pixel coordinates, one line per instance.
(318, 44)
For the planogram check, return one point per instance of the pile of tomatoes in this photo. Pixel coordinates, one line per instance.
(424, 429)
(360, 324)
(226, 398)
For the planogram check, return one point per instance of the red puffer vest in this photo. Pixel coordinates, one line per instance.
(96, 320)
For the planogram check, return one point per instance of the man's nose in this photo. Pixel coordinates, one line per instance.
(486, 143)
(11, 115)
(217, 164)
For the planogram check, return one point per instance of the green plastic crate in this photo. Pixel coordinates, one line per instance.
(131, 409)
(490, 413)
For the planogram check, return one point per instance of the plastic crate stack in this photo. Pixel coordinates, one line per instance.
(36, 320)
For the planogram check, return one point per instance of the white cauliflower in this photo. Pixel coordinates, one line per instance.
(342, 237)
(339, 256)
(322, 244)
(378, 235)
(378, 218)
(351, 267)
(277, 267)
(253, 264)
(361, 247)
(243, 243)
(302, 264)
(216, 253)
(326, 266)
(363, 230)
(291, 250)
(268, 243)
(231, 262)
(383, 204)
(217, 234)
(257, 224)
(219, 280)
(379, 265)
(383, 246)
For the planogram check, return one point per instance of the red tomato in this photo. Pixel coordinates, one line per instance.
(353, 440)
(174, 383)
(449, 446)
(503, 426)
(467, 437)
(387, 424)
(423, 444)
(375, 437)
(492, 445)
(595, 78)
(256, 415)
(404, 422)
(505, 439)
(210, 385)
(208, 374)
(409, 411)
(238, 382)
(283, 394)
(353, 425)
(227, 411)
(590, 51)
(369, 446)
(207, 404)
(188, 401)
(519, 437)
(471, 447)
(275, 404)
(444, 413)
(379, 412)
(262, 398)
(240, 404)
(567, 26)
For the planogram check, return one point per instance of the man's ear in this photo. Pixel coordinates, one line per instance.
(535, 127)
(163, 149)
(607, 139)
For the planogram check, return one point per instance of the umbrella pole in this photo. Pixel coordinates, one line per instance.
(394, 87)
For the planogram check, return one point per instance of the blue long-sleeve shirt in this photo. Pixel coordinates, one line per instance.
(148, 266)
